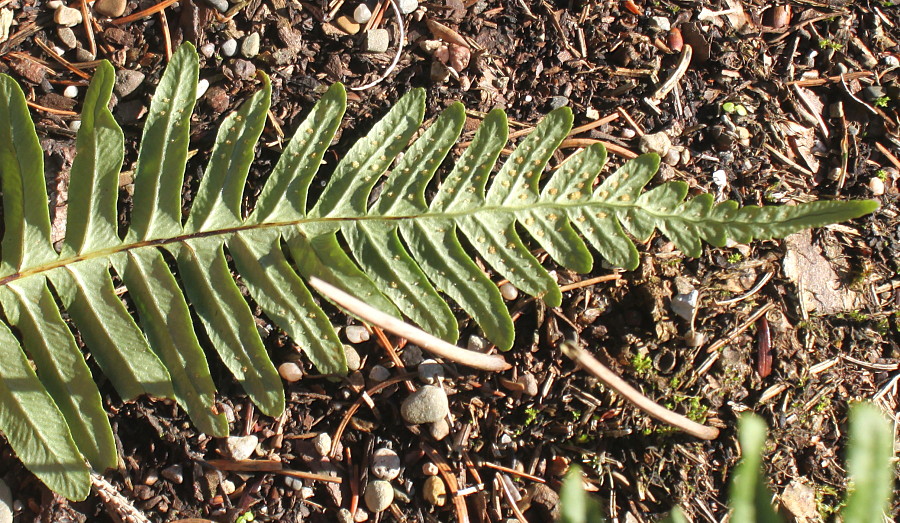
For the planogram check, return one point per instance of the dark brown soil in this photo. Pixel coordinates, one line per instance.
(777, 105)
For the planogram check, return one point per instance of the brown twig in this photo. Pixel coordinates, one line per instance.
(392, 354)
(145, 13)
(613, 381)
(571, 143)
(514, 472)
(50, 110)
(588, 282)
(437, 346)
(65, 63)
(167, 38)
(87, 18)
(462, 514)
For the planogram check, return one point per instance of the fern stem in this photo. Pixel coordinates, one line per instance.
(437, 346)
(655, 410)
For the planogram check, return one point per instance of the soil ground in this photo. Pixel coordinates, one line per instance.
(780, 103)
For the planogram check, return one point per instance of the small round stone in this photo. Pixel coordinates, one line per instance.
(430, 371)
(75, 125)
(362, 14)
(290, 372)
(379, 495)
(110, 8)
(440, 429)
(70, 91)
(408, 6)
(876, 185)
(430, 469)
(530, 382)
(322, 442)
(426, 405)
(385, 464)
(207, 49)
(250, 45)
(412, 356)
(435, 491)
(293, 483)
(127, 81)
(356, 333)
(509, 291)
(379, 373)
(228, 487)
(67, 17)
(6, 503)
(354, 362)
(344, 516)
(202, 86)
(240, 448)
(175, 474)
(229, 47)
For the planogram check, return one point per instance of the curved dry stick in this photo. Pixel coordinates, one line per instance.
(655, 410)
(436, 346)
(670, 83)
(396, 56)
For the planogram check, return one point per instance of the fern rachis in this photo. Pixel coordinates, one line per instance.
(400, 251)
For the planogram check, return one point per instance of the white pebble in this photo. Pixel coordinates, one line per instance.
(240, 448)
(322, 442)
(362, 14)
(229, 47)
(408, 6)
(876, 185)
(202, 86)
(379, 373)
(228, 487)
(430, 371)
(290, 371)
(628, 133)
(430, 469)
(356, 333)
(353, 360)
(54, 4)
(385, 464)
(509, 291)
(477, 343)
(71, 91)
(75, 125)
(379, 495)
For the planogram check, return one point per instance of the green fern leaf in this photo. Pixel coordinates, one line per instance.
(372, 232)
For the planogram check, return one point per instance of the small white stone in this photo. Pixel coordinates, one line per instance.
(379, 373)
(59, 50)
(356, 333)
(672, 157)
(307, 492)
(685, 305)
(407, 6)
(876, 185)
(202, 86)
(228, 487)
(240, 448)
(628, 133)
(477, 343)
(385, 464)
(660, 23)
(376, 41)
(6, 503)
(720, 178)
(344, 516)
(229, 47)
(293, 483)
(379, 495)
(322, 442)
(891, 61)
(430, 469)
(509, 291)
(290, 371)
(430, 371)
(54, 4)
(658, 143)
(70, 91)
(362, 14)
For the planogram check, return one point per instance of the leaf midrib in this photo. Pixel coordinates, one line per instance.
(453, 215)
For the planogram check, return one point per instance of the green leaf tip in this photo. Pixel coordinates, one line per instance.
(381, 229)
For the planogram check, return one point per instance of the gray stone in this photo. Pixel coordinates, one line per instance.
(660, 23)
(558, 101)
(6, 503)
(219, 5)
(240, 448)
(530, 382)
(110, 8)
(379, 373)
(411, 356)
(379, 495)
(127, 81)
(83, 55)
(67, 37)
(354, 362)
(250, 45)
(430, 371)
(685, 304)
(385, 464)
(243, 68)
(208, 49)
(872, 93)
(376, 41)
(293, 483)
(362, 14)
(175, 474)
(229, 47)
(426, 405)
(658, 143)
(407, 6)
(67, 17)
(440, 429)
(356, 333)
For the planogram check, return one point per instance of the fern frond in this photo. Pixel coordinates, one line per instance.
(401, 253)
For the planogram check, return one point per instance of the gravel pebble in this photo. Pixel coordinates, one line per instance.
(229, 47)
(379, 373)
(385, 464)
(376, 41)
(6, 502)
(356, 333)
(440, 429)
(219, 5)
(876, 185)
(354, 362)
(110, 8)
(70, 91)
(67, 37)
(322, 442)
(658, 143)
(435, 491)
(202, 86)
(430, 371)
(347, 25)
(426, 405)
(530, 382)
(362, 14)
(240, 448)
(67, 17)
(293, 483)
(175, 474)
(408, 6)
(208, 49)
(509, 291)
(83, 55)
(411, 356)
(243, 68)
(289, 371)
(127, 81)
(379, 495)
(430, 469)
(250, 46)
(558, 101)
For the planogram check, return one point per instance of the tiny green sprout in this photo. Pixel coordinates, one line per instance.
(882, 175)
(882, 101)
(530, 415)
(641, 363)
(826, 43)
(735, 257)
(728, 107)
(734, 108)
(246, 517)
